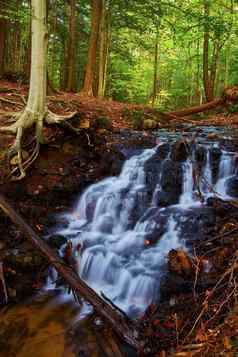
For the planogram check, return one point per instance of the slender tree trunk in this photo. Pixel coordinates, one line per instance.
(71, 79)
(226, 70)
(215, 56)
(206, 75)
(2, 44)
(156, 60)
(96, 9)
(105, 39)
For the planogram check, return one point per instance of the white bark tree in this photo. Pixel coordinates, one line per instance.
(35, 112)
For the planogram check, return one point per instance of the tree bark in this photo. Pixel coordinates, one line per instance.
(104, 44)
(198, 109)
(156, 60)
(71, 78)
(2, 44)
(96, 9)
(206, 75)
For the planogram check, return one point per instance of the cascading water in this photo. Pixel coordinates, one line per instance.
(226, 170)
(115, 220)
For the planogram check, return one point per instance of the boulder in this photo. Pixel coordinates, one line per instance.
(232, 186)
(179, 151)
(215, 156)
(150, 124)
(171, 182)
(180, 263)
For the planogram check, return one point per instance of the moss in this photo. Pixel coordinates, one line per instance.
(102, 122)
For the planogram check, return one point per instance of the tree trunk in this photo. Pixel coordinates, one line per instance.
(226, 69)
(71, 79)
(37, 94)
(156, 60)
(206, 75)
(216, 47)
(2, 44)
(96, 8)
(105, 30)
(198, 109)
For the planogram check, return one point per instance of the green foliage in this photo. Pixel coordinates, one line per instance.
(135, 25)
(233, 108)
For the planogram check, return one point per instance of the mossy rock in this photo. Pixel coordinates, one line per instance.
(102, 122)
(150, 124)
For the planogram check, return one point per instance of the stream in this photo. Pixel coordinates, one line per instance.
(122, 229)
(125, 226)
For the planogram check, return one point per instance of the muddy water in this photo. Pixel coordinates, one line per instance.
(47, 326)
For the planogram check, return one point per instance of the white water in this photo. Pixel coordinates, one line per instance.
(112, 222)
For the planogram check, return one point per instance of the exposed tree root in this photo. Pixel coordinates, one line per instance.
(23, 121)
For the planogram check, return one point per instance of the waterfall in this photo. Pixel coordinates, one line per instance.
(119, 227)
(226, 170)
(187, 197)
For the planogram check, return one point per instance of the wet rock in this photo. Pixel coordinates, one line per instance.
(232, 186)
(196, 222)
(163, 150)
(179, 151)
(174, 285)
(112, 162)
(180, 263)
(215, 156)
(212, 136)
(56, 241)
(171, 183)
(200, 154)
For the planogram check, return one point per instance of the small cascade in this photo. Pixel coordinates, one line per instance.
(206, 176)
(126, 236)
(226, 170)
(187, 197)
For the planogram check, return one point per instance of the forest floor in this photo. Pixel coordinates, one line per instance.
(65, 167)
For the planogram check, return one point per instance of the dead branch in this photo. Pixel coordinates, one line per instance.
(125, 329)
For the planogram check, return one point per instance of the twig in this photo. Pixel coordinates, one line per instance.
(3, 282)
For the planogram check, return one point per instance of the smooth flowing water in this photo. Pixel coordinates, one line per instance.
(115, 218)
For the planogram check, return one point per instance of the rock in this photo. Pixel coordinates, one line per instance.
(212, 136)
(232, 186)
(150, 124)
(215, 156)
(102, 123)
(174, 285)
(84, 123)
(56, 241)
(171, 182)
(179, 151)
(111, 162)
(180, 263)
(71, 149)
(200, 154)
(163, 150)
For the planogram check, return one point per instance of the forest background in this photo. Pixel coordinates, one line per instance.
(168, 54)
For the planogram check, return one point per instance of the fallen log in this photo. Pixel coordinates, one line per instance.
(125, 328)
(229, 96)
(198, 109)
